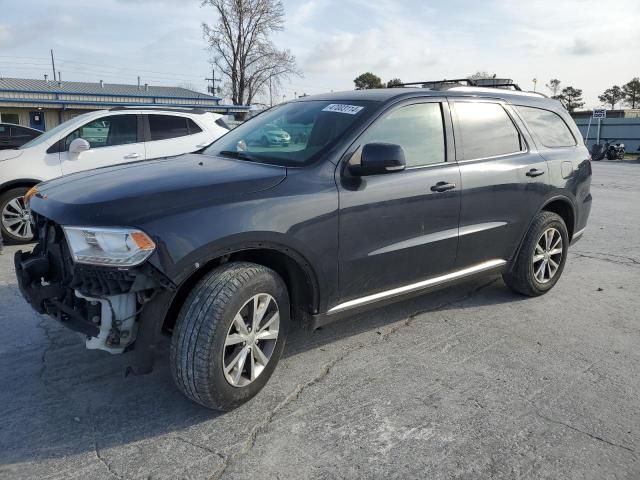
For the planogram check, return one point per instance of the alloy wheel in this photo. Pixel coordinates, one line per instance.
(16, 219)
(547, 255)
(251, 340)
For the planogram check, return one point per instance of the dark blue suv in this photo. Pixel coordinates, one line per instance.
(379, 194)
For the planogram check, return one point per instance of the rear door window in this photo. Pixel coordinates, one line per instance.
(163, 127)
(548, 126)
(485, 130)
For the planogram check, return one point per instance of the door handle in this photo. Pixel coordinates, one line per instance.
(131, 155)
(442, 187)
(534, 172)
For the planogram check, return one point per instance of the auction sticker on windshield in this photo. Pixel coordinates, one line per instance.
(340, 108)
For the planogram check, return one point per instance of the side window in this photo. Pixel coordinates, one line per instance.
(418, 129)
(548, 127)
(107, 131)
(22, 133)
(193, 127)
(485, 130)
(163, 127)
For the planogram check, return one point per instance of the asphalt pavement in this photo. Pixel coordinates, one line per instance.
(470, 382)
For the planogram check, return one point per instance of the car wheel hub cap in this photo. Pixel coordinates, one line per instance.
(16, 219)
(251, 340)
(547, 255)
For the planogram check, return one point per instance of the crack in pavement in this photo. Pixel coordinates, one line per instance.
(571, 427)
(630, 261)
(197, 445)
(96, 449)
(250, 442)
(86, 411)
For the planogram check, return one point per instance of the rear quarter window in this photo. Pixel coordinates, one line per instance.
(163, 127)
(548, 127)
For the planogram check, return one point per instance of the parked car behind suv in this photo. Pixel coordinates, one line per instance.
(14, 136)
(394, 192)
(96, 139)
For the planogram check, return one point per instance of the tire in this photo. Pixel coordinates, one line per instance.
(22, 233)
(621, 155)
(207, 321)
(524, 275)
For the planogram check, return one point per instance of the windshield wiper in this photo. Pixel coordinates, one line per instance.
(240, 155)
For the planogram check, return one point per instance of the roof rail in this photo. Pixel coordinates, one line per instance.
(537, 93)
(449, 83)
(195, 111)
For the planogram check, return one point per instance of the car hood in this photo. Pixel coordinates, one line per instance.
(132, 193)
(9, 154)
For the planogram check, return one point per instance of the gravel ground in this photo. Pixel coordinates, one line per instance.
(469, 382)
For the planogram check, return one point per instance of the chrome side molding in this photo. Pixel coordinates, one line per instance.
(414, 287)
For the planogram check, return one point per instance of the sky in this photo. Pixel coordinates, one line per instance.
(580, 42)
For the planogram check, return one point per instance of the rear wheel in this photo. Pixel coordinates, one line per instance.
(15, 218)
(540, 262)
(229, 335)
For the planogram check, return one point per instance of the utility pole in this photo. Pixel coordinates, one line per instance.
(53, 66)
(270, 94)
(213, 80)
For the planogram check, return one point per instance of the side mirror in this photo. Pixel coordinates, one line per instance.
(379, 158)
(78, 146)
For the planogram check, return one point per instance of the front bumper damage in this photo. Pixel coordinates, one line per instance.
(106, 305)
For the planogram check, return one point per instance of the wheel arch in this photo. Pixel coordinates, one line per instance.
(558, 204)
(563, 207)
(20, 182)
(296, 272)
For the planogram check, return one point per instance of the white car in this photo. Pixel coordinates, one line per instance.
(92, 140)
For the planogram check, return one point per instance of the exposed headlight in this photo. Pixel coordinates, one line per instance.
(116, 247)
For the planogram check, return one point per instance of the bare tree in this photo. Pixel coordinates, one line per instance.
(554, 87)
(242, 50)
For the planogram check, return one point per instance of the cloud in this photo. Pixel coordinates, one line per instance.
(582, 47)
(368, 36)
(7, 36)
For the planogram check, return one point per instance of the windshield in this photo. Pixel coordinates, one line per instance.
(291, 134)
(51, 136)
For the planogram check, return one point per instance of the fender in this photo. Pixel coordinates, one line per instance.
(564, 198)
(19, 182)
(201, 258)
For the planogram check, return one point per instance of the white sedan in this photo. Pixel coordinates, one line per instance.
(92, 140)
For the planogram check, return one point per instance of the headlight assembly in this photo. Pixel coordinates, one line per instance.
(115, 247)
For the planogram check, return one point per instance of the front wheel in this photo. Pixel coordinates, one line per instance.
(540, 261)
(15, 217)
(230, 334)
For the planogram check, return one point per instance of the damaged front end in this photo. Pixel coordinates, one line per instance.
(102, 303)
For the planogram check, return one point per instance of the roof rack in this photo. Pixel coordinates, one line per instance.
(470, 82)
(195, 111)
